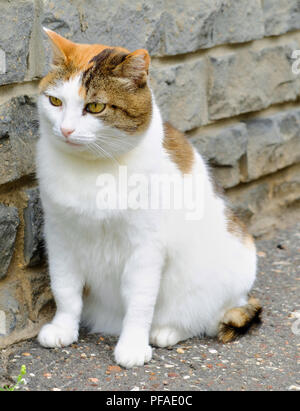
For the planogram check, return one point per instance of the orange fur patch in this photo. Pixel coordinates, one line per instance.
(179, 148)
(238, 320)
(70, 58)
(236, 227)
(86, 291)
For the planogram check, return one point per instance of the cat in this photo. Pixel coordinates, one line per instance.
(150, 276)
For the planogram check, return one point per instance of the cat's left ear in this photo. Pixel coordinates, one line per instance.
(135, 67)
(61, 47)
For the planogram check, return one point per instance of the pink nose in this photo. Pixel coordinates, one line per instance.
(66, 131)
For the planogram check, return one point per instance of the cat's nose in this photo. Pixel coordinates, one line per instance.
(67, 131)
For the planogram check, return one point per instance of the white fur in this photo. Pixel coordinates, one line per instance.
(153, 275)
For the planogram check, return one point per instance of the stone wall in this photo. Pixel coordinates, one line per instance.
(221, 72)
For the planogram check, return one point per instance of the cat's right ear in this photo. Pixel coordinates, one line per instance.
(134, 67)
(61, 47)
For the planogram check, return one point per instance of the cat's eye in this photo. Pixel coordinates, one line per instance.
(55, 101)
(95, 108)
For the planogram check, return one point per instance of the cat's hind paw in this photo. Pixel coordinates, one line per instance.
(166, 336)
(53, 335)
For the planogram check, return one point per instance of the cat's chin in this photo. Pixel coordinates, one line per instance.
(72, 144)
(70, 148)
(77, 150)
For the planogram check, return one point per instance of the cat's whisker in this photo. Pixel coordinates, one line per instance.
(114, 138)
(115, 142)
(96, 151)
(101, 150)
(116, 146)
(92, 150)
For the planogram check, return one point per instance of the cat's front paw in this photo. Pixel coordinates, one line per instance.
(130, 355)
(53, 335)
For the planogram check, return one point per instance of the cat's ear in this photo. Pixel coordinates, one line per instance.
(134, 67)
(61, 47)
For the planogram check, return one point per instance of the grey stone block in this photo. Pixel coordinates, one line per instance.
(222, 148)
(287, 189)
(227, 177)
(164, 27)
(251, 79)
(250, 199)
(9, 222)
(12, 314)
(5, 120)
(33, 231)
(180, 91)
(18, 135)
(40, 291)
(237, 21)
(16, 22)
(273, 143)
(281, 16)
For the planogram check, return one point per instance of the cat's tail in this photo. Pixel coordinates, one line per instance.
(238, 320)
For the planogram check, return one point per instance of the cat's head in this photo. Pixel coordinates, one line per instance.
(96, 99)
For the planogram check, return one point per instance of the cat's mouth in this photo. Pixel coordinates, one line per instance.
(72, 144)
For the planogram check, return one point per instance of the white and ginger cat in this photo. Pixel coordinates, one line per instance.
(151, 276)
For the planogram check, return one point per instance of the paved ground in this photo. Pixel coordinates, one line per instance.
(266, 359)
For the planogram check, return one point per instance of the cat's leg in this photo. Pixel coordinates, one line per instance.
(140, 285)
(63, 329)
(67, 290)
